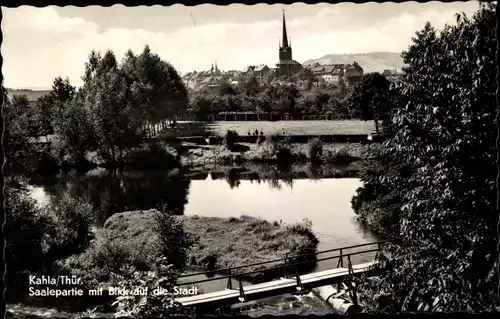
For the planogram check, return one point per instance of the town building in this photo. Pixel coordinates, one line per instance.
(392, 75)
(261, 72)
(335, 74)
(209, 80)
(286, 66)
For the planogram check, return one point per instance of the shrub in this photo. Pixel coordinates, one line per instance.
(340, 156)
(214, 140)
(315, 149)
(261, 139)
(25, 234)
(106, 257)
(174, 241)
(284, 155)
(231, 138)
(150, 155)
(149, 304)
(73, 218)
(275, 138)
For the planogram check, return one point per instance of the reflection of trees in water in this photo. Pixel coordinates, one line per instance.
(275, 176)
(315, 172)
(112, 192)
(232, 178)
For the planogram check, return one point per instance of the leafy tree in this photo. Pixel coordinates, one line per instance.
(252, 87)
(167, 95)
(287, 97)
(19, 128)
(45, 114)
(227, 89)
(446, 133)
(113, 109)
(62, 90)
(202, 105)
(268, 99)
(369, 99)
(75, 132)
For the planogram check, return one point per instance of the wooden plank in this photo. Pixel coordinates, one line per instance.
(273, 285)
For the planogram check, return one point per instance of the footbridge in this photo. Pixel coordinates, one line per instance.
(293, 274)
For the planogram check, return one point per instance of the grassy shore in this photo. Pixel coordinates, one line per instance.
(130, 238)
(267, 152)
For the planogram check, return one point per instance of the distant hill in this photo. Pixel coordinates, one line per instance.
(32, 95)
(370, 62)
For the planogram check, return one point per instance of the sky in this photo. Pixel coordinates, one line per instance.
(43, 43)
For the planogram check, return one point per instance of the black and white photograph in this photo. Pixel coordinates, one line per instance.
(250, 160)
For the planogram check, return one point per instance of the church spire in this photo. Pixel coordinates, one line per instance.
(284, 37)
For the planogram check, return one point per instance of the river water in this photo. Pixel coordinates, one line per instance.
(224, 192)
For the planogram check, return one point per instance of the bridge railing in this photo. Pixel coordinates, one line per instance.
(288, 262)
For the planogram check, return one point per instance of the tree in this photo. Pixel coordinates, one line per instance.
(227, 89)
(114, 109)
(202, 105)
(369, 99)
(19, 128)
(45, 114)
(252, 87)
(168, 94)
(75, 131)
(446, 133)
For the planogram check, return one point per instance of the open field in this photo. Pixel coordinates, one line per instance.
(296, 127)
(186, 129)
(346, 127)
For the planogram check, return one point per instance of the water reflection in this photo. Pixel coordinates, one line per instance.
(111, 191)
(289, 194)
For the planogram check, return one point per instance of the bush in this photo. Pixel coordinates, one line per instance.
(26, 230)
(174, 241)
(150, 304)
(150, 155)
(261, 139)
(315, 149)
(231, 138)
(73, 218)
(340, 156)
(37, 238)
(214, 140)
(106, 257)
(275, 138)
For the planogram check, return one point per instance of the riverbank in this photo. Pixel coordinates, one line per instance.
(155, 154)
(219, 242)
(270, 172)
(280, 152)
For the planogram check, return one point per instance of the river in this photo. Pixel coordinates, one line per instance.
(225, 192)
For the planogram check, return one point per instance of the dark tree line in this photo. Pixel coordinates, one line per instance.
(367, 100)
(117, 105)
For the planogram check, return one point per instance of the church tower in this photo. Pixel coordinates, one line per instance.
(285, 50)
(286, 66)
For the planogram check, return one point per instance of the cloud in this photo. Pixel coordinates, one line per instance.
(39, 44)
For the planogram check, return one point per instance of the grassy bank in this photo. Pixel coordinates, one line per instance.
(271, 151)
(131, 238)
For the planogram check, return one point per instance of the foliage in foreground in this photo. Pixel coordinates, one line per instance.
(446, 134)
(37, 238)
(149, 304)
